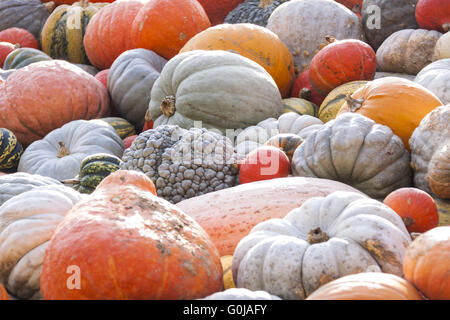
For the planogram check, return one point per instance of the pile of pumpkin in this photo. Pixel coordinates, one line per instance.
(235, 149)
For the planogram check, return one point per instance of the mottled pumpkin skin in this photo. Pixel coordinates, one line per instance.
(134, 246)
(19, 36)
(66, 93)
(123, 127)
(427, 263)
(10, 150)
(218, 10)
(254, 42)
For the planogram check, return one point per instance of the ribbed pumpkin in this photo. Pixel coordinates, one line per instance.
(63, 32)
(218, 10)
(286, 142)
(66, 93)
(10, 150)
(123, 127)
(397, 103)
(19, 36)
(130, 244)
(165, 26)
(336, 98)
(340, 62)
(433, 15)
(300, 106)
(22, 57)
(254, 42)
(442, 48)
(436, 78)
(302, 88)
(114, 19)
(5, 49)
(253, 11)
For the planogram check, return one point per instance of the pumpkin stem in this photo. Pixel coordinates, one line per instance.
(62, 151)
(50, 6)
(265, 3)
(407, 221)
(305, 93)
(168, 106)
(446, 26)
(354, 104)
(147, 116)
(357, 8)
(316, 236)
(71, 181)
(330, 39)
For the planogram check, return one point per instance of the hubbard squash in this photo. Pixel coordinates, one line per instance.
(19, 36)
(228, 215)
(253, 11)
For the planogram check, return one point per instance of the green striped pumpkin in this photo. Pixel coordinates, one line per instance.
(22, 57)
(10, 150)
(123, 128)
(63, 32)
(93, 170)
(300, 106)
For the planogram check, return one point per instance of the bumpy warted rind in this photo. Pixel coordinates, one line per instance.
(251, 11)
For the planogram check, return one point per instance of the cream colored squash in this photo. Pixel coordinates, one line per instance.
(442, 49)
(436, 78)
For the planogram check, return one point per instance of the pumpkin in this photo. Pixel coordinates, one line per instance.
(286, 142)
(130, 244)
(436, 78)
(27, 222)
(27, 14)
(433, 15)
(367, 286)
(324, 239)
(228, 281)
(63, 32)
(130, 81)
(93, 169)
(102, 76)
(128, 141)
(60, 2)
(114, 19)
(381, 74)
(442, 48)
(165, 26)
(148, 124)
(303, 89)
(354, 5)
(381, 18)
(263, 163)
(407, 51)
(123, 127)
(253, 11)
(4, 74)
(355, 150)
(66, 93)
(417, 208)
(428, 142)
(251, 41)
(439, 172)
(228, 215)
(19, 36)
(185, 93)
(241, 294)
(3, 294)
(397, 103)
(427, 262)
(60, 153)
(88, 68)
(22, 57)
(333, 102)
(16, 183)
(5, 49)
(10, 150)
(295, 23)
(218, 10)
(300, 106)
(341, 62)
(254, 136)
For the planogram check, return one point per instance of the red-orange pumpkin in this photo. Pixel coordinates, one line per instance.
(19, 36)
(45, 95)
(107, 34)
(218, 10)
(102, 76)
(427, 263)
(433, 15)
(128, 141)
(3, 294)
(302, 88)
(416, 207)
(127, 243)
(5, 49)
(264, 163)
(342, 61)
(354, 5)
(165, 26)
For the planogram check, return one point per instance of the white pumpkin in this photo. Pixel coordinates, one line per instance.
(291, 122)
(241, 294)
(60, 153)
(436, 78)
(442, 48)
(325, 239)
(27, 222)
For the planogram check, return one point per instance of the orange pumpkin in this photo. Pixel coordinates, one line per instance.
(165, 26)
(107, 34)
(19, 36)
(416, 207)
(427, 263)
(45, 95)
(3, 294)
(254, 42)
(367, 286)
(397, 103)
(123, 242)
